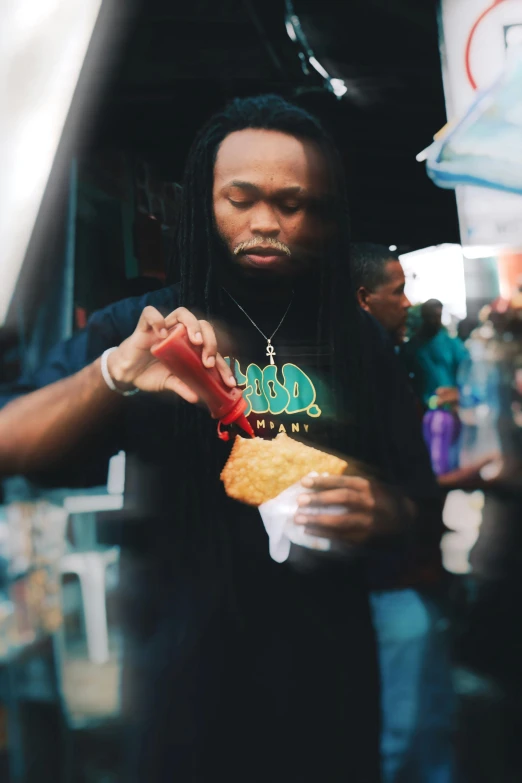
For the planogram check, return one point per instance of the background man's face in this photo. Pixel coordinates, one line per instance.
(269, 190)
(388, 303)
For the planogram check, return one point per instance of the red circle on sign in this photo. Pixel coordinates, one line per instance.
(470, 39)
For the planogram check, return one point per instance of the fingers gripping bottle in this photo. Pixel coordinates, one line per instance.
(225, 404)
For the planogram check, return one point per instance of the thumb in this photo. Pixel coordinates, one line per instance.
(152, 320)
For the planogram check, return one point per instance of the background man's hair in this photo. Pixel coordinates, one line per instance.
(430, 305)
(369, 263)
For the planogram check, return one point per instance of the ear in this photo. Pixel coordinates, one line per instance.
(363, 296)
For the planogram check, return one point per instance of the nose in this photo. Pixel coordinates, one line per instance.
(406, 302)
(264, 221)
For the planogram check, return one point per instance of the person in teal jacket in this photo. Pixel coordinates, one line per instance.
(433, 358)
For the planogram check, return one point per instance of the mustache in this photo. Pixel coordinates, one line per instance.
(263, 242)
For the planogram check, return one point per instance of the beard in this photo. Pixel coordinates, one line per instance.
(297, 264)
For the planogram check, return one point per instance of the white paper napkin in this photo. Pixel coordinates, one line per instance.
(278, 518)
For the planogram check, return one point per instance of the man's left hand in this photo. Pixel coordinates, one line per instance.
(369, 508)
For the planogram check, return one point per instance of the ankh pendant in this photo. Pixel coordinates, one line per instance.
(270, 352)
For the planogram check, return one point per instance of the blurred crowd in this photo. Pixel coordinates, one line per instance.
(468, 394)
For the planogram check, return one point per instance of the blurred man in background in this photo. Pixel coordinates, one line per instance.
(380, 283)
(433, 358)
(417, 696)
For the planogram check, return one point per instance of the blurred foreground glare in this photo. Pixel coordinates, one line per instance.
(42, 48)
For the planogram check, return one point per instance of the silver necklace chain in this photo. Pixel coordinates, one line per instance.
(270, 351)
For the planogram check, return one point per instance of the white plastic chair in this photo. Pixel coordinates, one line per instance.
(91, 570)
(89, 562)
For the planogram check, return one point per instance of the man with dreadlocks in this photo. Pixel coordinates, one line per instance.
(244, 669)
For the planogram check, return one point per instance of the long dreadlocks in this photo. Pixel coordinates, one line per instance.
(198, 244)
(198, 248)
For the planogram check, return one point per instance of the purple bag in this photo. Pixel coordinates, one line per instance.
(441, 430)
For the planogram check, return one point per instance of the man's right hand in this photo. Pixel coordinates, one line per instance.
(447, 395)
(133, 366)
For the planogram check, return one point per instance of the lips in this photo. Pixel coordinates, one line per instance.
(266, 252)
(255, 260)
(264, 256)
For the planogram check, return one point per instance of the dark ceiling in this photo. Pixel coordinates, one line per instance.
(181, 61)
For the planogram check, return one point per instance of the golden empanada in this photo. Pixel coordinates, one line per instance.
(258, 470)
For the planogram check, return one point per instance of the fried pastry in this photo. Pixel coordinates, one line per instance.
(258, 470)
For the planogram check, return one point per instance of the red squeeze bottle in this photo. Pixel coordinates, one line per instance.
(184, 359)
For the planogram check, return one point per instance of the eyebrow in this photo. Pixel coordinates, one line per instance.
(291, 190)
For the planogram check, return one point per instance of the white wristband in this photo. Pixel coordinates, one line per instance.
(107, 376)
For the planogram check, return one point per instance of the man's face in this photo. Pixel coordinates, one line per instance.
(388, 303)
(268, 195)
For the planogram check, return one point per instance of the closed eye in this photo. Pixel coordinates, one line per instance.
(289, 209)
(240, 204)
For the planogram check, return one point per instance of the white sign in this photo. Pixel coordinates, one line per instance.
(437, 273)
(477, 39)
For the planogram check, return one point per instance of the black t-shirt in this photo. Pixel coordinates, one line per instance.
(261, 670)
(292, 396)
